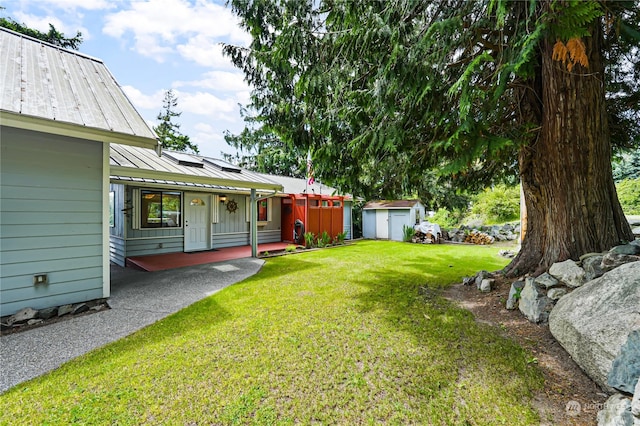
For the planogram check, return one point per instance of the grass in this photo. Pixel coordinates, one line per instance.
(342, 336)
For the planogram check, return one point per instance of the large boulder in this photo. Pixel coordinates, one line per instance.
(568, 272)
(534, 304)
(625, 370)
(594, 321)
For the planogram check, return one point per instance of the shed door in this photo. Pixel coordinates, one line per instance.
(382, 224)
(398, 220)
(196, 224)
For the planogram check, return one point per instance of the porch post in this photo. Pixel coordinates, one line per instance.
(253, 224)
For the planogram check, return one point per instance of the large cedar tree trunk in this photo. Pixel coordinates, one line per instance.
(570, 197)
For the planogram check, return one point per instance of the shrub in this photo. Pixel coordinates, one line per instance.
(324, 240)
(309, 239)
(446, 218)
(499, 204)
(629, 195)
(407, 233)
(290, 248)
(339, 239)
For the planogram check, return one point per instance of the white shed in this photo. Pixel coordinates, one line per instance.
(386, 219)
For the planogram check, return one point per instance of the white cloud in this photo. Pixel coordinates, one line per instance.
(223, 81)
(142, 101)
(167, 24)
(207, 104)
(204, 51)
(71, 4)
(41, 23)
(203, 127)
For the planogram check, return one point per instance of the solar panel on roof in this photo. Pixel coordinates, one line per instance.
(184, 159)
(223, 165)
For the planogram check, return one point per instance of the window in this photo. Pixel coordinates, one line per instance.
(160, 209)
(264, 210)
(112, 209)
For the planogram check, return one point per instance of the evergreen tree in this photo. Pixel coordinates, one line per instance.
(53, 36)
(168, 131)
(484, 90)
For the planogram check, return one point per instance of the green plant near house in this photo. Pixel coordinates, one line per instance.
(407, 233)
(290, 248)
(324, 240)
(309, 240)
(341, 237)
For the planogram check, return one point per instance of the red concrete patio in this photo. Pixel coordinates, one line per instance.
(160, 262)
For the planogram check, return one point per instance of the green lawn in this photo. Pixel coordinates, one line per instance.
(338, 336)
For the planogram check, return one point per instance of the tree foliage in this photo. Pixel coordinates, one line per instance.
(53, 36)
(383, 92)
(168, 131)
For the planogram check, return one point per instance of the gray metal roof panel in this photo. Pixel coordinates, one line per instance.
(50, 83)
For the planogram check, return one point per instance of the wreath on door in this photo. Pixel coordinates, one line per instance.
(232, 206)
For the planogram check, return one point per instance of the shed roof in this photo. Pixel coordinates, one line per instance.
(391, 204)
(135, 164)
(54, 90)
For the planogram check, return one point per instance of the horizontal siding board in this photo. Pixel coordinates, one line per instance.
(54, 242)
(57, 206)
(146, 247)
(117, 251)
(42, 192)
(45, 302)
(49, 266)
(55, 279)
(20, 218)
(274, 236)
(43, 255)
(230, 240)
(46, 230)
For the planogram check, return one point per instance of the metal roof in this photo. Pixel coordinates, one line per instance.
(134, 164)
(293, 185)
(47, 88)
(390, 204)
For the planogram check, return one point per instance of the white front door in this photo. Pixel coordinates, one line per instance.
(197, 208)
(382, 224)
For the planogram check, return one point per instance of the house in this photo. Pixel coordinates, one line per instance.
(59, 111)
(180, 202)
(386, 219)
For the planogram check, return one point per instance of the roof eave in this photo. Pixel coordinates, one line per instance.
(27, 122)
(153, 174)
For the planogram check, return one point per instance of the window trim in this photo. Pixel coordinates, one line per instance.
(137, 208)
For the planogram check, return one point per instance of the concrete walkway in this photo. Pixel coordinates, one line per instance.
(137, 300)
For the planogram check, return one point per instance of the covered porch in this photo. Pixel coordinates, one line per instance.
(161, 262)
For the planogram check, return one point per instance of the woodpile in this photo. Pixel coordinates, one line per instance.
(479, 238)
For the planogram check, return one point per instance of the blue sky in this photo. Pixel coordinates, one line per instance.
(154, 45)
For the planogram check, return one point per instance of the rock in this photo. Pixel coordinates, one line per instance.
(514, 294)
(556, 293)
(635, 404)
(568, 272)
(22, 316)
(47, 313)
(593, 322)
(617, 412)
(486, 285)
(631, 249)
(468, 280)
(507, 253)
(35, 321)
(64, 310)
(636, 230)
(534, 305)
(547, 281)
(80, 308)
(625, 369)
(591, 266)
(614, 260)
(482, 275)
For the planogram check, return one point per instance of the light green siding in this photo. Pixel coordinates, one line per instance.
(50, 219)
